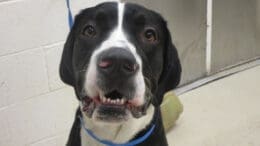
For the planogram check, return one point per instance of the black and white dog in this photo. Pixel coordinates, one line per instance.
(120, 60)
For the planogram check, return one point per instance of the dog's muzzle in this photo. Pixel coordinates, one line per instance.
(117, 71)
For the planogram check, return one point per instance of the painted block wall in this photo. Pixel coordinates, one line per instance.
(36, 108)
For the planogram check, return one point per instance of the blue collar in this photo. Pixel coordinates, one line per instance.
(110, 143)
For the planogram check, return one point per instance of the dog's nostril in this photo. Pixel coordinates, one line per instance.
(114, 95)
(105, 63)
(131, 68)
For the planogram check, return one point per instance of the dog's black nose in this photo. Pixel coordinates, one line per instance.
(117, 62)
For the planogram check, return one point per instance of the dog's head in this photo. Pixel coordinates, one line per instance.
(120, 60)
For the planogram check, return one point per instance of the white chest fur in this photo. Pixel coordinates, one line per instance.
(118, 133)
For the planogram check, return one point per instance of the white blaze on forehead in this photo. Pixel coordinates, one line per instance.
(121, 7)
(118, 36)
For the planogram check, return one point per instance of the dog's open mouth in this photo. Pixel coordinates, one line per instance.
(112, 107)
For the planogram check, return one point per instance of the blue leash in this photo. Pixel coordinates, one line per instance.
(70, 18)
(109, 143)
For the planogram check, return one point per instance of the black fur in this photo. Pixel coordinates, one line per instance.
(163, 76)
(171, 74)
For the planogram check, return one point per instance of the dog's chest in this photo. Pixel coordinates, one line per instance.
(107, 132)
(116, 133)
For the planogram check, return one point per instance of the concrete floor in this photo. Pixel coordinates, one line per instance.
(223, 113)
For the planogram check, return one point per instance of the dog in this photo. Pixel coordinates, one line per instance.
(120, 60)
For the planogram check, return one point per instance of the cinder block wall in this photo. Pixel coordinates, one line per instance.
(36, 109)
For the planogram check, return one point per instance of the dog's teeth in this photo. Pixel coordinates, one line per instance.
(122, 101)
(118, 101)
(112, 101)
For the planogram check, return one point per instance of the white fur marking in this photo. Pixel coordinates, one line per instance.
(121, 7)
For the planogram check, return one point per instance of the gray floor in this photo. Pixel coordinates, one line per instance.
(223, 113)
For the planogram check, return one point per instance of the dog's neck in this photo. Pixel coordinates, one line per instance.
(118, 133)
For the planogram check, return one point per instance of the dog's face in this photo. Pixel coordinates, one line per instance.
(120, 60)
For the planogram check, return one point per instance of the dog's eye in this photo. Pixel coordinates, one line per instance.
(150, 35)
(89, 31)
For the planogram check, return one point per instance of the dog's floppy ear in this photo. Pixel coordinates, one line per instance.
(66, 70)
(171, 73)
